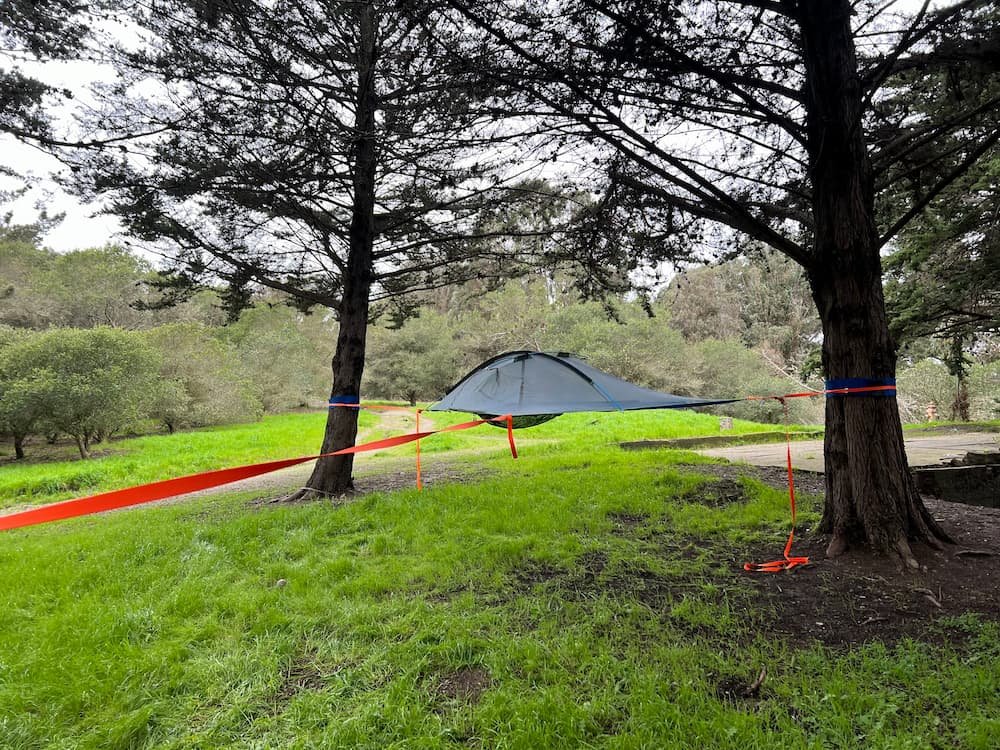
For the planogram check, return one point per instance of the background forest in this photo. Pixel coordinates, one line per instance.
(88, 350)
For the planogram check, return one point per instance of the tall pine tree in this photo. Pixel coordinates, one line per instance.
(329, 150)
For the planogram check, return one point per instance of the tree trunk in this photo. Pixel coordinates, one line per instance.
(332, 476)
(871, 496)
(19, 446)
(83, 445)
(960, 406)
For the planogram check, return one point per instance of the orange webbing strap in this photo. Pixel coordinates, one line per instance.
(776, 566)
(507, 418)
(510, 434)
(147, 493)
(790, 562)
(833, 391)
(420, 484)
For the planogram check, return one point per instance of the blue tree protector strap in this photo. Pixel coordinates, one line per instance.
(872, 387)
(345, 399)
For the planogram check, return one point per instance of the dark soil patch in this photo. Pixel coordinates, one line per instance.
(718, 494)
(592, 576)
(301, 675)
(738, 690)
(534, 572)
(465, 684)
(579, 582)
(441, 473)
(624, 523)
(810, 482)
(864, 597)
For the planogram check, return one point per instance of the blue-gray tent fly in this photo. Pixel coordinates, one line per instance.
(537, 386)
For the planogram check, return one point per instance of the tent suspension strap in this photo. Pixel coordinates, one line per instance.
(182, 485)
(147, 493)
(789, 562)
(416, 428)
(834, 388)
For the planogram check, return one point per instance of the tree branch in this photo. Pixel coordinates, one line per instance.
(945, 181)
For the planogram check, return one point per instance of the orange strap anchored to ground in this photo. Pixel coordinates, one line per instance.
(147, 493)
(420, 481)
(842, 387)
(789, 562)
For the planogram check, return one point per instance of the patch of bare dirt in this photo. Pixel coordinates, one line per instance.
(592, 577)
(534, 572)
(624, 523)
(737, 690)
(465, 684)
(304, 673)
(720, 493)
(390, 480)
(810, 482)
(864, 597)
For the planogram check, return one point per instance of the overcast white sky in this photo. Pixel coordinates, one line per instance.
(82, 227)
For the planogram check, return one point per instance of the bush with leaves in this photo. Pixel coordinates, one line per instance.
(202, 381)
(88, 384)
(634, 346)
(728, 369)
(19, 411)
(280, 352)
(929, 381)
(923, 383)
(22, 302)
(984, 390)
(418, 361)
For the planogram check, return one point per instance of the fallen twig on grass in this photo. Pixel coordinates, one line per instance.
(754, 689)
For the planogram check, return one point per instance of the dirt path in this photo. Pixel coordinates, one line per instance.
(391, 421)
(921, 450)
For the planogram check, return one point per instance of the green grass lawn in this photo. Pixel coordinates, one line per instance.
(123, 463)
(513, 612)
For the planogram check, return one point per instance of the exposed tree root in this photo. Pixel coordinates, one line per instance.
(837, 547)
(308, 494)
(902, 548)
(931, 532)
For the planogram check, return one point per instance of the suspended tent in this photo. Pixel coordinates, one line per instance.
(535, 387)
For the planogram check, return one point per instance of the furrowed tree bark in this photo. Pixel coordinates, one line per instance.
(332, 475)
(870, 494)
